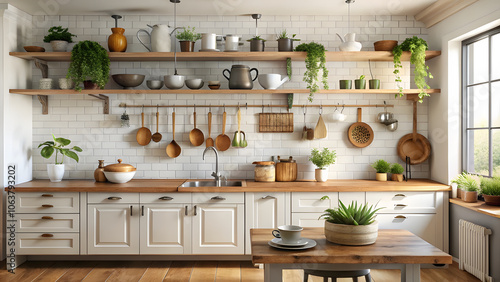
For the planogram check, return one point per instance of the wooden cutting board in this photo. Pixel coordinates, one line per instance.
(269, 122)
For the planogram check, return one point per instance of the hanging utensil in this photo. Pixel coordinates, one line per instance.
(143, 134)
(360, 134)
(223, 142)
(320, 130)
(196, 136)
(413, 145)
(385, 117)
(125, 119)
(157, 136)
(210, 141)
(173, 149)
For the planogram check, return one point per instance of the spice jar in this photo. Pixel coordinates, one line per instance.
(264, 172)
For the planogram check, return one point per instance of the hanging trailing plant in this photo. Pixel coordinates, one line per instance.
(89, 61)
(315, 60)
(417, 47)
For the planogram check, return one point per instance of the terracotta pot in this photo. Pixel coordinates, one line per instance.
(397, 177)
(469, 196)
(353, 235)
(492, 200)
(89, 85)
(381, 176)
(117, 42)
(187, 46)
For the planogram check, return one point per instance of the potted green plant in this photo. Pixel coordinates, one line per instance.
(59, 38)
(469, 185)
(315, 61)
(285, 43)
(360, 83)
(89, 64)
(490, 188)
(187, 39)
(382, 168)
(417, 46)
(373, 83)
(257, 44)
(56, 171)
(354, 225)
(345, 84)
(397, 172)
(322, 159)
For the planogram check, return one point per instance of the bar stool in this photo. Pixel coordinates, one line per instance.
(334, 274)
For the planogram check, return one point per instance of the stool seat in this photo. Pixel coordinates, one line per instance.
(334, 274)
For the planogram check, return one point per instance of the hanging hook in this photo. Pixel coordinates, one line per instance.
(343, 106)
(210, 107)
(238, 106)
(336, 106)
(304, 109)
(195, 107)
(320, 109)
(246, 106)
(224, 105)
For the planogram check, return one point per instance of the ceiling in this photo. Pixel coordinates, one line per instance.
(220, 7)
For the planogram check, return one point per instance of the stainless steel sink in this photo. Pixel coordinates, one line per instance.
(211, 183)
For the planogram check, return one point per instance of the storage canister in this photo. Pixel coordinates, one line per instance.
(286, 169)
(264, 171)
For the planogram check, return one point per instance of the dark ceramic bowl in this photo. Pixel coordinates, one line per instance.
(128, 80)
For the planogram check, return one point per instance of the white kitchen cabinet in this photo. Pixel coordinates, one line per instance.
(312, 202)
(113, 229)
(348, 197)
(308, 219)
(28, 243)
(422, 225)
(264, 210)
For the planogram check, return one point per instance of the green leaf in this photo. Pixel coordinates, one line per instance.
(46, 143)
(47, 152)
(63, 141)
(70, 154)
(78, 149)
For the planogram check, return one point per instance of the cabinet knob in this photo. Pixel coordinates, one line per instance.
(114, 198)
(400, 216)
(47, 235)
(166, 198)
(268, 197)
(47, 217)
(47, 206)
(218, 198)
(47, 195)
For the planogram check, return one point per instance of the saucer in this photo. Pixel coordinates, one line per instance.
(209, 50)
(310, 244)
(300, 243)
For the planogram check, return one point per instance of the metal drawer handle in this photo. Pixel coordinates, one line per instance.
(400, 216)
(114, 198)
(268, 197)
(400, 195)
(400, 205)
(186, 210)
(47, 235)
(166, 198)
(218, 198)
(47, 217)
(47, 206)
(131, 211)
(195, 210)
(47, 195)
(142, 210)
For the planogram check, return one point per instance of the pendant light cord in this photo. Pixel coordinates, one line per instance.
(175, 42)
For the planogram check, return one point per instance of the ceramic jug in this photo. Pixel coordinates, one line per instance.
(349, 43)
(239, 77)
(271, 81)
(159, 38)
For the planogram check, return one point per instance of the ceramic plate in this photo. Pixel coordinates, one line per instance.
(310, 244)
(278, 241)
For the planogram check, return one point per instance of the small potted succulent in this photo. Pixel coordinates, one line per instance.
(56, 171)
(315, 62)
(397, 172)
(360, 83)
(257, 44)
(59, 38)
(285, 43)
(187, 39)
(322, 159)
(469, 185)
(382, 167)
(90, 65)
(354, 225)
(490, 188)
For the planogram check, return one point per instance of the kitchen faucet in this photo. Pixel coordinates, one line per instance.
(216, 173)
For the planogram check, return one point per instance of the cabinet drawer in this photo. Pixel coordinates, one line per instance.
(214, 198)
(422, 225)
(311, 202)
(47, 244)
(165, 198)
(308, 219)
(403, 202)
(59, 202)
(47, 222)
(113, 198)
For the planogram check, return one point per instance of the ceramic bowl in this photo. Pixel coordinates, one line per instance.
(213, 82)
(154, 84)
(174, 81)
(194, 83)
(128, 80)
(119, 177)
(34, 49)
(214, 87)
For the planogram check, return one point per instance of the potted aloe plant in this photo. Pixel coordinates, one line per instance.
(59, 38)
(285, 42)
(354, 225)
(382, 167)
(490, 189)
(469, 185)
(396, 171)
(187, 39)
(322, 159)
(257, 44)
(57, 145)
(315, 62)
(89, 64)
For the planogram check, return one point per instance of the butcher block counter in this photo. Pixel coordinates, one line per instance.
(172, 185)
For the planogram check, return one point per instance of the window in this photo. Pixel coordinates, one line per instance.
(481, 103)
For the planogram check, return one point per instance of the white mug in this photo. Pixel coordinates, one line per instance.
(338, 116)
(232, 42)
(289, 234)
(208, 41)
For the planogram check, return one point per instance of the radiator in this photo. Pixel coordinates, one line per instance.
(474, 249)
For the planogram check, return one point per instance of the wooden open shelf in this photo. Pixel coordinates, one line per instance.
(224, 56)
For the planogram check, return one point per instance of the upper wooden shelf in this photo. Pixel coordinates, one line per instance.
(225, 56)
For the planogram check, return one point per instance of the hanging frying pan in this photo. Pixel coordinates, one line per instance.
(360, 134)
(414, 145)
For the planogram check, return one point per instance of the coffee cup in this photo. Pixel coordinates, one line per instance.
(208, 41)
(289, 234)
(338, 116)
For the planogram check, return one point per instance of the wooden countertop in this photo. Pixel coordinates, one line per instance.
(171, 185)
(479, 206)
(392, 246)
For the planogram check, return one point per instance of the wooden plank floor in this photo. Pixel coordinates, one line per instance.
(189, 271)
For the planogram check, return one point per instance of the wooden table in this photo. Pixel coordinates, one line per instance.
(394, 249)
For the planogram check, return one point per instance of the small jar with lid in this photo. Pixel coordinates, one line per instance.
(286, 169)
(264, 171)
(119, 173)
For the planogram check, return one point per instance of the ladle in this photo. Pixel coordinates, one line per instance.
(196, 136)
(173, 149)
(143, 134)
(223, 142)
(210, 141)
(157, 136)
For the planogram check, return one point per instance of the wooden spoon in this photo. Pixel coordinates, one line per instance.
(157, 136)
(223, 142)
(210, 141)
(173, 149)
(196, 136)
(143, 134)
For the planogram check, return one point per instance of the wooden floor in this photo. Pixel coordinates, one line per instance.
(188, 271)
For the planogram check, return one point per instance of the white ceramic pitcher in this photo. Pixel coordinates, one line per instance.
(159, 37)
(271, 81)
(349, 43)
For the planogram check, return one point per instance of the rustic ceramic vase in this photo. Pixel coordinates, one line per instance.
(469, 196)
(352, 235)
(59, 45)
(99, 172)
(117, 42)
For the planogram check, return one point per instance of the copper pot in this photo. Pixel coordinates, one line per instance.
(286, 169)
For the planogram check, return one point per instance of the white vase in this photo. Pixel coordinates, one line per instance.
(55, 172)
(59, 45)
(321, 174)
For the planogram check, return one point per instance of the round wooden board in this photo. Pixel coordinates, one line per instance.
(360, 127)
(418, 150)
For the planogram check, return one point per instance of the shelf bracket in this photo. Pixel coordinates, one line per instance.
(106, 102)
(44, 100)
(412, 97)
(42, 65)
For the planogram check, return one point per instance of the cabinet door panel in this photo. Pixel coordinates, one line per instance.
(165, 229)
(47, 222)
(404, 202)
(113, 229)
(348, 197)
(311, 201)
(422, 225)
(47, 244)
(307, 219)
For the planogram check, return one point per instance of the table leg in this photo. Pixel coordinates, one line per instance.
(273, 273)
(410, 273)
